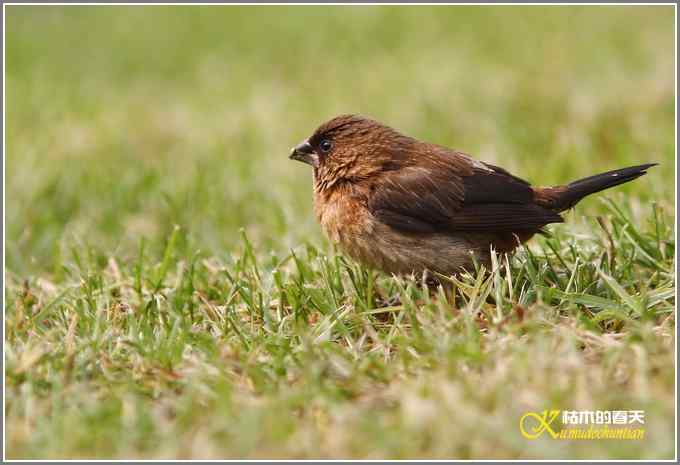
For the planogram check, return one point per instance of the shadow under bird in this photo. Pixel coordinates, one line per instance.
(404, 206)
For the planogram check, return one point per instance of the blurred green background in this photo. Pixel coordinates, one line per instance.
(124, 121)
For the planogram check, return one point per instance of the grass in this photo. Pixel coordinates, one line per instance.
(169, 295)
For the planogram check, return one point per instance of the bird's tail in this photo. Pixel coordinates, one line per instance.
(561, 198)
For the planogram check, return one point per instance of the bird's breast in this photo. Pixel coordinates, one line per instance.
(343, 216)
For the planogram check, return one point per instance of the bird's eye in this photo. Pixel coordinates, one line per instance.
(325, 145)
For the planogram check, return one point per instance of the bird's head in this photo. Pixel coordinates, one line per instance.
(350, 148)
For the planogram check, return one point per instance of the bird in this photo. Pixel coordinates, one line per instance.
(403, 206)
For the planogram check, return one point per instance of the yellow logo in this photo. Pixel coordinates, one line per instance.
(584, 424)
(538, 424)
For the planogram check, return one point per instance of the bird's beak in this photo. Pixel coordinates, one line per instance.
(305, 153)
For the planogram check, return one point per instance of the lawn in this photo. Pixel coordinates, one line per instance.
(168, 293)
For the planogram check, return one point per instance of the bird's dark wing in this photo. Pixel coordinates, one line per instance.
(449, 192)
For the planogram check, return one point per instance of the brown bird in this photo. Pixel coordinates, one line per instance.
(404, 206)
